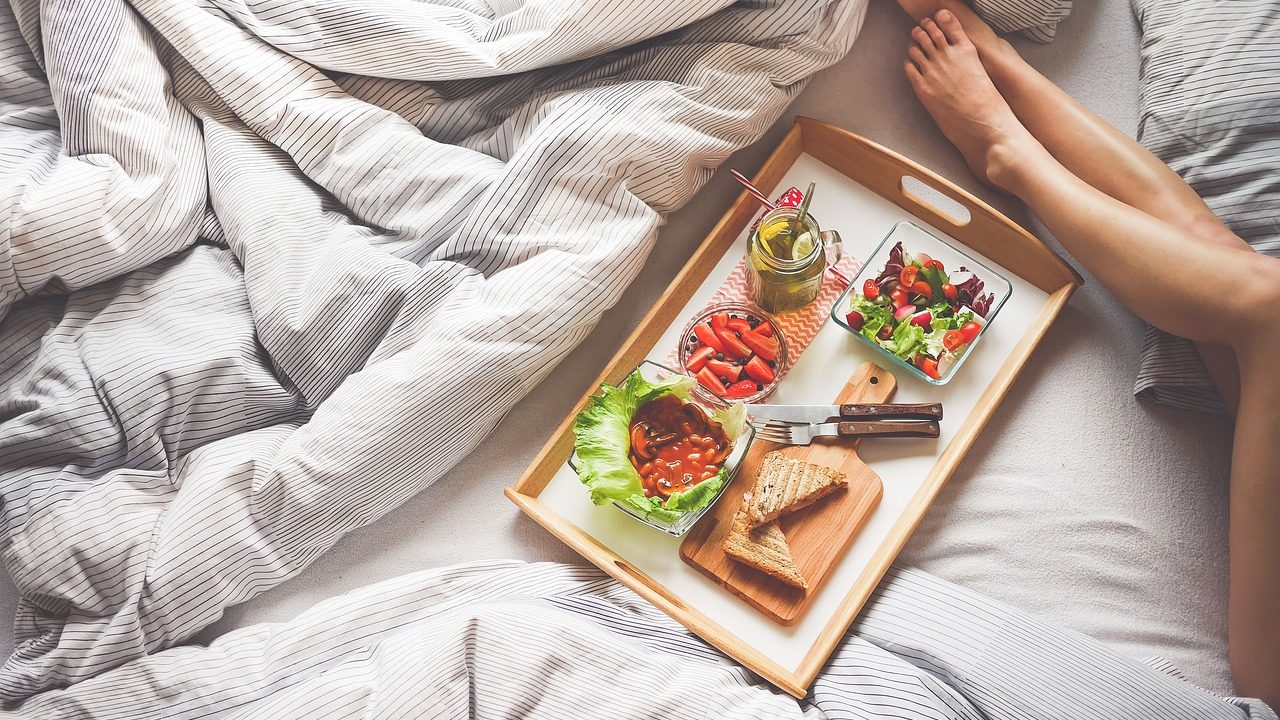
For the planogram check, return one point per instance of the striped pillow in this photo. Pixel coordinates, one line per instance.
(1211, 110)
(1036, 19)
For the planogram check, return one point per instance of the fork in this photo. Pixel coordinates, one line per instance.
(803, 434)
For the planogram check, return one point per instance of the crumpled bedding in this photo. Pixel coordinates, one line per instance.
(267, 269)
(503, 639)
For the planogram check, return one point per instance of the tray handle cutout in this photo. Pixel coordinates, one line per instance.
(931, 198)
(649, 583)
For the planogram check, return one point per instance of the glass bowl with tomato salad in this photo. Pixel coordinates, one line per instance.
(943, 298)
(674, 445)
(736, 352)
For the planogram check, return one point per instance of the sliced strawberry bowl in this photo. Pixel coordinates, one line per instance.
(735, 351)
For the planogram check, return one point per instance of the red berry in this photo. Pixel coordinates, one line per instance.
(699, 358)
(765, 347)
(759, 371)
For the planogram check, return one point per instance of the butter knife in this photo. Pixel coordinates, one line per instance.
(846, 411)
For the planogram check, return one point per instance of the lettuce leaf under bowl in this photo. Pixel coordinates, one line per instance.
(603, 437)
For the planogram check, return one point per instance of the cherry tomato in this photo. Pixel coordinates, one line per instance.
(935, 264)
(950, 293)
(970, 331)
(870, 289)
(953, 340)
(923, 288)
(928, 365)
(907, 275)
(900, 297)
(922, 258)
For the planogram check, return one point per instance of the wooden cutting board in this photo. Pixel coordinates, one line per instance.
(818, 535)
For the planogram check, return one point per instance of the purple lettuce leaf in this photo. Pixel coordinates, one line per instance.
(893, 267)
(969, 293)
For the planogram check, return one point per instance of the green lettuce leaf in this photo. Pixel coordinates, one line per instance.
(603, 437)
(945, 318)
(933, 340)
(944, 322)
(874, 315)
(936, 279)
(907, 340)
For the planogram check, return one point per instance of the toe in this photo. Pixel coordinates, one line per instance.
(922, 38)
(949, 24)
(917, 56)
(913, 75)
(935, 33)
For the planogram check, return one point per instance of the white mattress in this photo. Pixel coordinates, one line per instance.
(1079, 505)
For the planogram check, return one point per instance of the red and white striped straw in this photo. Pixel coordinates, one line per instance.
(751, 188)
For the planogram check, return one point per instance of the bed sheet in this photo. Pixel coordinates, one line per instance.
(1080, 505)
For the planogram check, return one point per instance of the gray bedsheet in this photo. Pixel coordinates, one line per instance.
(464, 516)
(507, 640)
(268, 269)
(1122, 538)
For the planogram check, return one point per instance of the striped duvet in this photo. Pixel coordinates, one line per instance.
(509, 640)
(268, 268)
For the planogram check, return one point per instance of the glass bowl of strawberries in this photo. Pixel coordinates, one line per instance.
(735, 351)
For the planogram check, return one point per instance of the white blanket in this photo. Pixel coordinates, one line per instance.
(270, 268)
(508, 640)
(267, 269)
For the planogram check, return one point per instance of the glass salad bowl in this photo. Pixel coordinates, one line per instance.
(646, 510)
(948, 353)
(758, 370)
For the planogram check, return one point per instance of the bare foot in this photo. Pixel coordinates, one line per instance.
(946, 74)
(997, 55)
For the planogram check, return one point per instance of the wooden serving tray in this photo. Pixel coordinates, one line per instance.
(865, 190)
(817, 535)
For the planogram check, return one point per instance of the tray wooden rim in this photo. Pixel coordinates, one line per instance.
(880, 170)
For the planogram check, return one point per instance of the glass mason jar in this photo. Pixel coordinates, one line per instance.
(786, 272)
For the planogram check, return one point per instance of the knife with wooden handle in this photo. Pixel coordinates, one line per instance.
(847, 411)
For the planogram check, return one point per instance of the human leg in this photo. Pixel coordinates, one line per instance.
(1170, 276)
(1089, 147)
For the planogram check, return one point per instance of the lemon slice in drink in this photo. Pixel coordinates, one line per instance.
(802, 247)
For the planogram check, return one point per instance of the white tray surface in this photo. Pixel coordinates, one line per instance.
(863, 219)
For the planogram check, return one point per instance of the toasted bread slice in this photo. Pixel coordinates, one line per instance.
(784, 485)
(763, 548)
